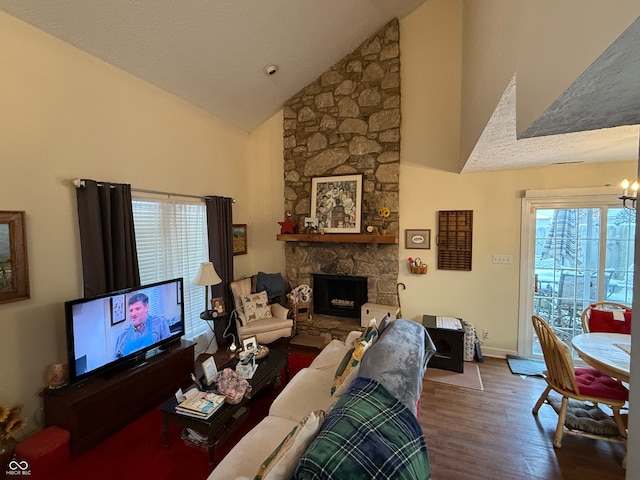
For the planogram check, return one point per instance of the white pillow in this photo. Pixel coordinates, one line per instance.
(282, 462)
(256, 306)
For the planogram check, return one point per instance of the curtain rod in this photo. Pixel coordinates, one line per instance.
(78, 182)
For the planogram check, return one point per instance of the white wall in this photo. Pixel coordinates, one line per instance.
(488, 295)
(266, 190)
(66, 115)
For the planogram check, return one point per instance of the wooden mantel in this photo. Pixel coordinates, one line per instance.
(337, 238)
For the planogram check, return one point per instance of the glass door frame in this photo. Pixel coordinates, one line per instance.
(551, 199)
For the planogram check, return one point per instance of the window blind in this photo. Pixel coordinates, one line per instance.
(171, 238)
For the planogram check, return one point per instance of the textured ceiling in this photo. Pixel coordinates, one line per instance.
(499, 149)
(595, 120)
(213, 54)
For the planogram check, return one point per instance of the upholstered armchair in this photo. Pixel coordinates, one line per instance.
(249, 315)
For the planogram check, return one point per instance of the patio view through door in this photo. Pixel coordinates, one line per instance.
(580, 254)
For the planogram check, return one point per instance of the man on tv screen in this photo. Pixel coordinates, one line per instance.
(144, 329)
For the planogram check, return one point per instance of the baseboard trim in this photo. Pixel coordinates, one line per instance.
(497, 352)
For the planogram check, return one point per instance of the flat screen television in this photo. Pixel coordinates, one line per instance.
(120, 329)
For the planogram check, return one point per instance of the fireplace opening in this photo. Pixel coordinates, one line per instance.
(339, 295)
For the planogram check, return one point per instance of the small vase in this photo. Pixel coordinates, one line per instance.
(383, 231)
(7, 447)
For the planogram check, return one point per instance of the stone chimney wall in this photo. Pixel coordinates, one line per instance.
(348, 122)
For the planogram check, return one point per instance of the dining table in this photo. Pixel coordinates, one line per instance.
(608, 352)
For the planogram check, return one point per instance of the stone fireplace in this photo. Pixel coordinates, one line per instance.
(347, 122)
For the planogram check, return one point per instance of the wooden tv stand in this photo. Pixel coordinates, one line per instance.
(94, 410)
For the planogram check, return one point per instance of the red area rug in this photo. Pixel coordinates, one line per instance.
(298, 361)
(136, 451)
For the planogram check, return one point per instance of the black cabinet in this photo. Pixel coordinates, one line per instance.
(449, 345)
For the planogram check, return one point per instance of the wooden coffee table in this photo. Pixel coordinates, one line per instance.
(227, 418)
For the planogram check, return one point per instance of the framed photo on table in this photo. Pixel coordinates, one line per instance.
(209, 368)
(217, 306)
(249, 343)
(337, 203)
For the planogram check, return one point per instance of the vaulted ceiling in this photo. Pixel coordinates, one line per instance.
(214, 54)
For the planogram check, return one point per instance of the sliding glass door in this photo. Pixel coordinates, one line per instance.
(580, 251)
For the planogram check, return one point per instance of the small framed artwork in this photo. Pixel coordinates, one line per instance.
(209, 368)
(311, 222)
(337, 203)
(217, 306)
(249, 343)
(239, 239)
(118, 313)
(418, 239)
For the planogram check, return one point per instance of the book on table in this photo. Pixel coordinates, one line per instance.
(200, 404)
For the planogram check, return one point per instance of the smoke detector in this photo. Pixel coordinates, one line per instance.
(270, 69)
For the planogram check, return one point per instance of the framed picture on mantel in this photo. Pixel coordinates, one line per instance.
(337, 203)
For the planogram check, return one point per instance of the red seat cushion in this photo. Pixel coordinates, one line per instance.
(603, 321)
(594, 383)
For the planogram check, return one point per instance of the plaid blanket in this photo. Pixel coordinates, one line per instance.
(368, 434)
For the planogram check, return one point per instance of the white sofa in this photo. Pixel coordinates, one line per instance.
(310, 389)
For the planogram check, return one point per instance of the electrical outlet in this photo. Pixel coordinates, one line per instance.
(485, 335)
(501, 259)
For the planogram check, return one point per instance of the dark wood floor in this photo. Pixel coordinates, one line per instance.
(492, 434)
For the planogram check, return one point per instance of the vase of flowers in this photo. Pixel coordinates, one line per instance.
(383, 213)
(11, 422)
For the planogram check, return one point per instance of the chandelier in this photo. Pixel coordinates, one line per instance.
(629, 201)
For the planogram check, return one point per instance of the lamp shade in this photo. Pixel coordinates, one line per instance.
(206, 275)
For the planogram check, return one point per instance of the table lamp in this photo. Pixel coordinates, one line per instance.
(206, 277)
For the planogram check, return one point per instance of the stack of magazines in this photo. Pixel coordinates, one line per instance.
(200, 404)
(194, 438)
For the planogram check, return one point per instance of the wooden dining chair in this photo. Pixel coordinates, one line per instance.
(582, 384)
(603, 320)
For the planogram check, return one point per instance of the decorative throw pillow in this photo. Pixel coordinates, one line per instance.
(256, 306)
(371, 333)
(349, 367)
(613, 321)
(283, 460)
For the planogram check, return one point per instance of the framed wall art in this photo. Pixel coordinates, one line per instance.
(14, 268)
(337, 203)
(118, 313)
(417, 239)
(239, 239)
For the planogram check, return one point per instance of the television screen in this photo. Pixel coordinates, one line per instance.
(109, 330)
